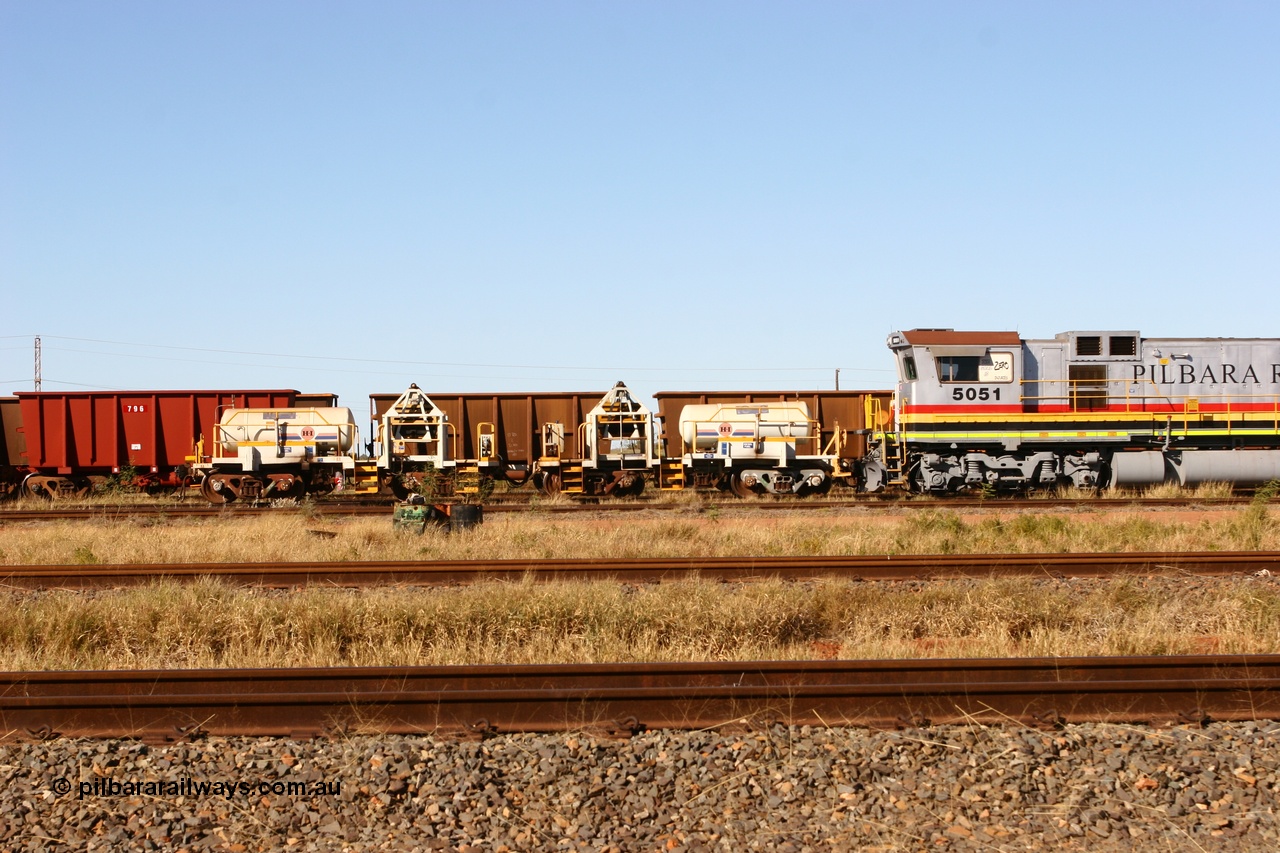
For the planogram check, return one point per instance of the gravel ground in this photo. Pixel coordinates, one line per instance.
(1085, 787)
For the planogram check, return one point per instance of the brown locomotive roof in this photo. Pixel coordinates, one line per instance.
(950, 337)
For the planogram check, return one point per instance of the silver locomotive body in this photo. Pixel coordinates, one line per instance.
(990, 410)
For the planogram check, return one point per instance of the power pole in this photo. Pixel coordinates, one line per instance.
(37, 362)
(837, 379)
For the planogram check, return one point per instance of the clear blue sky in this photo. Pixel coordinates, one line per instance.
(348, 197)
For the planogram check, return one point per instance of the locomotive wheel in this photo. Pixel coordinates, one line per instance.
(632, 489)
(410, 483)
(34, 487)
(320, 485)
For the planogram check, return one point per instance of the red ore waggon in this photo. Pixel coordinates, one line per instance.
(60, 444)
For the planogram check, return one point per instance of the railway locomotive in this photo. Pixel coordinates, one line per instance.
(972, 411)
(989, 410)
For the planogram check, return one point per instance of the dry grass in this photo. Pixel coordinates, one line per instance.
(1172, 491)
(209, 624)
(696, 533)
(212, 624)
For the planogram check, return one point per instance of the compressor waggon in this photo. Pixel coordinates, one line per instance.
(278, 453)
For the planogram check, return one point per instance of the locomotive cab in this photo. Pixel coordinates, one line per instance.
(945, 368)
(957, 410)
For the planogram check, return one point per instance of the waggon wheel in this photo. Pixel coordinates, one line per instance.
(215, 489)
(34, 487)
(739, 488)
(286, 486)
(821, 489)
(550, 483)
(51, 488)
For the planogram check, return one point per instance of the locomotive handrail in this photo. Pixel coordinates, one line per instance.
(1140, 403)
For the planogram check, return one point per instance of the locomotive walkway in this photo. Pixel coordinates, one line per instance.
(624, 699)
(651, 569)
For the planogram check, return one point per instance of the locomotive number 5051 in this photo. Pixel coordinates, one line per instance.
(975, 394)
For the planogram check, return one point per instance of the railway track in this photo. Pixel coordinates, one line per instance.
(623, 699)
(378, 508)
(651, 569)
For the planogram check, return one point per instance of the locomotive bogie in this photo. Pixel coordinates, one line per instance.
(1003, 472)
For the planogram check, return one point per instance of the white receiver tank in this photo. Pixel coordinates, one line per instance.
(703, 427)
(300, 432)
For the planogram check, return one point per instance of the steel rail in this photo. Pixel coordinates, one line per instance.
(630, 697)
(339, 509)
(652, 569)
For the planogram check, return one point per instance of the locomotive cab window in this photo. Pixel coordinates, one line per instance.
(993, 367)
(958, 368)
(909, 368)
